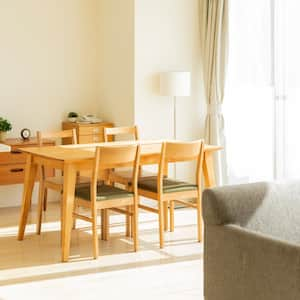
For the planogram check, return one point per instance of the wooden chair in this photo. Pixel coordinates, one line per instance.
(117, 131)
(56, 182)
(166, 191)
(124, 177)
(103, 196)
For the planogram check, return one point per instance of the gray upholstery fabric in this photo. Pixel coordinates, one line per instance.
(252, 242)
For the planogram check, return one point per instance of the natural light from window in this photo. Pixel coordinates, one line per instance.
(262, 96)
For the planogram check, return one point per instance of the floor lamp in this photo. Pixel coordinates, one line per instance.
(175, 84)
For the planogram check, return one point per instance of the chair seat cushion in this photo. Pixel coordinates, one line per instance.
(169, 185)
(104, 192)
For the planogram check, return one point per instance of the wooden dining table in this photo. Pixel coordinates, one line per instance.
(72, 159)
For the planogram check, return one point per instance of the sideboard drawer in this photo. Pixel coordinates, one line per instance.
(10, 174)
(87, 139)
(13, 163)
(15, 173)
(90, 130)
(87, 133)
(13, 157)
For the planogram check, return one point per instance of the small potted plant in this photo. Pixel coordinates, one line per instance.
(4, 127)
(72, 116)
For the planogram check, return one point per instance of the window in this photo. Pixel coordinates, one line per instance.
(262, 96)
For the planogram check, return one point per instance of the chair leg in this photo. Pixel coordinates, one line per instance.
(135, 227)
(131, 224)
(75, 209)
(95, 233)
(199, 219)
(128, 222)
(102, 224)
(40, 207)
(45, 199)
(171, 215)
(161, 223)
(132, 219)
(166, 221)
(106, 225)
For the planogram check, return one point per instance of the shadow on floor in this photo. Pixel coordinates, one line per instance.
(37, 257)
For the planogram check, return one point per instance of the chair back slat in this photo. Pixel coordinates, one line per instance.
(70, 133)
(182, 151)
(173, 152)
(116, 156)
(120, 131)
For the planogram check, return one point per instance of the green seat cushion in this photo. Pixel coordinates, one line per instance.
(104, 192)
(169, 185)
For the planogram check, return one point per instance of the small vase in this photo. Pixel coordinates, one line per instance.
(2, 136)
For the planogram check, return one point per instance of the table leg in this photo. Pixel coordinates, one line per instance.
(67, 208)
(30, 174)
(208, 169)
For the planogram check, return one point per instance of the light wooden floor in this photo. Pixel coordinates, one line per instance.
(31, 269)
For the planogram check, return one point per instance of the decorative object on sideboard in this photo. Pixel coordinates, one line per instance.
(72, 116)
(25, 133)
(5, 126)
(175, 84)
(89, 118)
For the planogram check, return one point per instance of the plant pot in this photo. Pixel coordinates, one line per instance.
(2, 136)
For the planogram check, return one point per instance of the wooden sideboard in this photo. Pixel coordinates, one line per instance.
(87, 132)
(12, 164)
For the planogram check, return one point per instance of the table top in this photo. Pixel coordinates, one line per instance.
(87, 151)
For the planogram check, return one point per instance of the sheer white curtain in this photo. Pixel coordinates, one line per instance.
(262, 96)
(291, 86)
(248, 104)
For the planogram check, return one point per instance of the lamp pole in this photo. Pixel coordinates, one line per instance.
(175, 84)
(174, 130)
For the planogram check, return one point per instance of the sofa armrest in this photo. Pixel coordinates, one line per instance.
(242, 264)
(239, 203)
(234, 204)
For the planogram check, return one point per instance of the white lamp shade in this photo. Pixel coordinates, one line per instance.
(175, 84)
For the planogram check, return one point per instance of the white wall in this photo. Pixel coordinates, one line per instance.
(47, 58)
(100, 56)
(167, 39)
(116, 61)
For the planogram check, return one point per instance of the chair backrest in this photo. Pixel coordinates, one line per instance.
(172, 152)
(119, 131)
(70, 133)
(115, 157)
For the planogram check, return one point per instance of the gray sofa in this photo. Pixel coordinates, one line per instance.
(252, 242)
